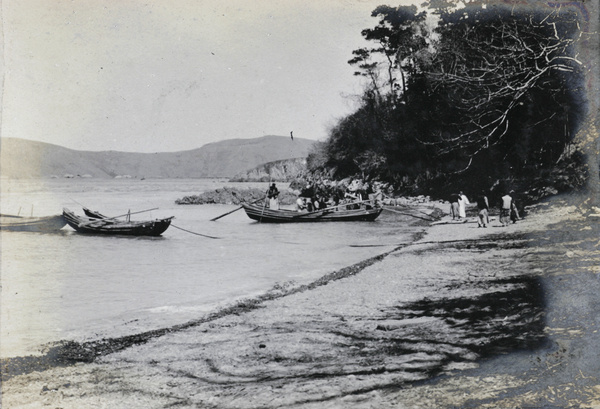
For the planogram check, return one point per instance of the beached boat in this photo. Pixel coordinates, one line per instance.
(112, 226)
(340, 214)
(45, 224)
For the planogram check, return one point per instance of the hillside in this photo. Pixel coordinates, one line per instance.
(21, 158)
(279, 171)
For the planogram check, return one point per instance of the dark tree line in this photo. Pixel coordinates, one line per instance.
(476, 95)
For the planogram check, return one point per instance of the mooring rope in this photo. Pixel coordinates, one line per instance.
(198, 234)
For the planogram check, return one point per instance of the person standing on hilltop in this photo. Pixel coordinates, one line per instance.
(483, 206)
(273, 196)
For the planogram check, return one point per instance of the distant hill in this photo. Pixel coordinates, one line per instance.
(20, 158)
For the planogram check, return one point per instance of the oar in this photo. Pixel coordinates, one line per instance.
(116, 217)
(264, 206)
(431, 219)
(413, 207)
(234, 210)
(330, 208)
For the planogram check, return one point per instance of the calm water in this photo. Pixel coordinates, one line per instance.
(72, 286)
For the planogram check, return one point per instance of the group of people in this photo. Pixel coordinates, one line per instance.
(508, 208)
(458, 204)
(509, 211)
(316, 196)
(323, 194)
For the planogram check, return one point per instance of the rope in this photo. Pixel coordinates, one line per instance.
(198, 234)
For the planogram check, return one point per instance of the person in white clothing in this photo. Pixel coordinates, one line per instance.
(462, 202)
(505, 211)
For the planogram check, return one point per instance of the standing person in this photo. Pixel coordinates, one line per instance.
(351, 197)
(377, 195)
(462, 202)
(505, 210)
(454, 206)
(308, 194)
(514, 211)
(273, 196)
(484, 207)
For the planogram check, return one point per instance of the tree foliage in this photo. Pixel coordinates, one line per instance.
(398, 39)
(488, 69)
(487, 93)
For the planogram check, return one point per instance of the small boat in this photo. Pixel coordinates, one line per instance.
(96, 223)
(46, 224)
(339, 214)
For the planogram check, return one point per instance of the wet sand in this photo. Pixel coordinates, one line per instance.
(510, 320)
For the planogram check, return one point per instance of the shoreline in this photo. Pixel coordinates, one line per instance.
(68, 353)
(324, 347)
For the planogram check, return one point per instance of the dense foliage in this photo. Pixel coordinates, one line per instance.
(462, 97)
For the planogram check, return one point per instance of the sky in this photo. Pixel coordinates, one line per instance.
(164, 76)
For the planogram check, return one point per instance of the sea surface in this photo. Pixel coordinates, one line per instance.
(69, 286)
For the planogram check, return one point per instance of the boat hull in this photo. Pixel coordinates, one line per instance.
(266, 215)
(46, 224)
(89, 225)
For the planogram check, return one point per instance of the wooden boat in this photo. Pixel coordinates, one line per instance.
(45, 224)
(111, 226)
(339, 214)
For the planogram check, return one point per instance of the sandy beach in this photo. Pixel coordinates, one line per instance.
(518, 308)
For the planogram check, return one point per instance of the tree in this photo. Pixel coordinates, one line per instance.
(490, 67)
(399, 37)
(489, 94)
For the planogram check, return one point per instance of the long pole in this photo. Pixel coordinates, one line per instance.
(77, 202)
(431, 218)
(234, 210)
(264, 206)
(115, 217)
(331, 208)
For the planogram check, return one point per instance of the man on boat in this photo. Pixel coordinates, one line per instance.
(307, 195)
(273, 196)
(300, 204)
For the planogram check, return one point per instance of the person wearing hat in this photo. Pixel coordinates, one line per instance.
(273, 196)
